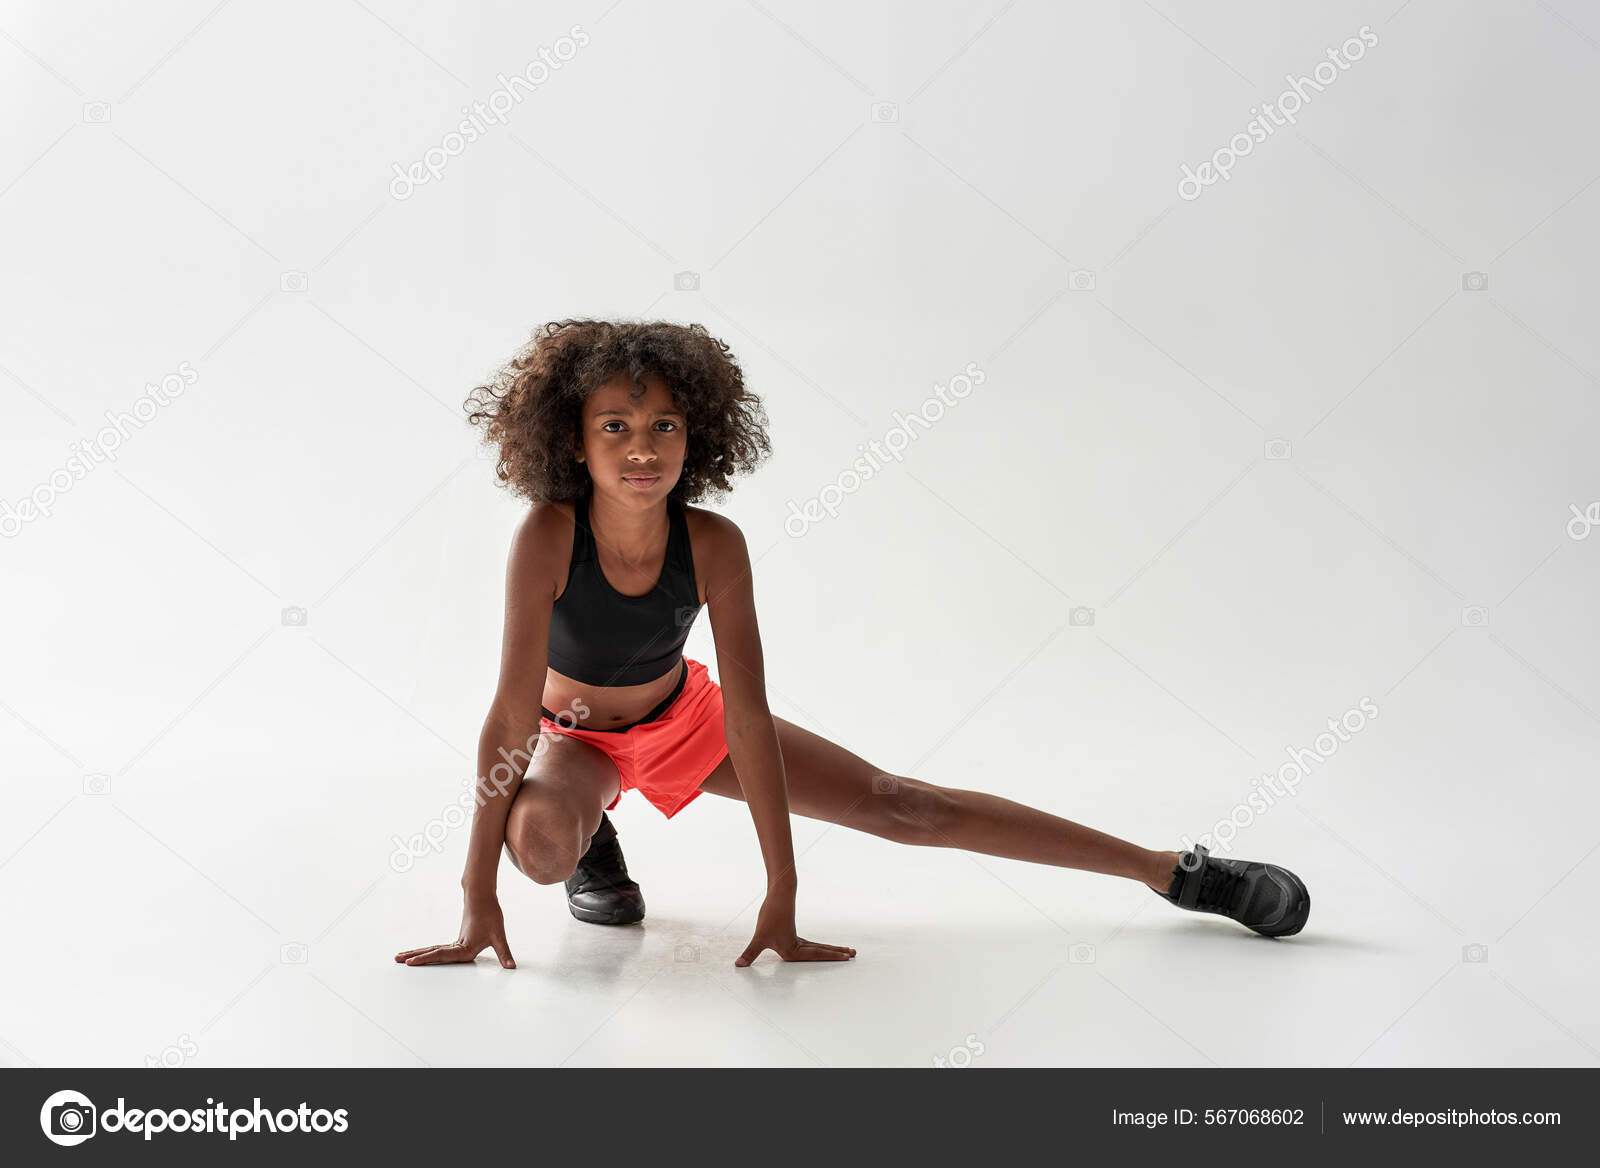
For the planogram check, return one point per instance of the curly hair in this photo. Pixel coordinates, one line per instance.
(532, 408)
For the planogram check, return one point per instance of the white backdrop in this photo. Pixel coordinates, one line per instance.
(1243, 456)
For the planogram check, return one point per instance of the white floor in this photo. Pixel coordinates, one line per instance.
(130, 954)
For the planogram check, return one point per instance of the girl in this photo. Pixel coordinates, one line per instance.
(610, 430)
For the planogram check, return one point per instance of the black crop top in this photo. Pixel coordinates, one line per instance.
(601, 637)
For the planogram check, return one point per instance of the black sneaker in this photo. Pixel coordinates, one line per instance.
(1264, 897)
(599, 891)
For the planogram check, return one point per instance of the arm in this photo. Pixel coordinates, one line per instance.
(511, 729)
(747, 721)
(510, 734)
(753, 746)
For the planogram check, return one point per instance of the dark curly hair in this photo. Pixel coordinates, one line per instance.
(533, 406)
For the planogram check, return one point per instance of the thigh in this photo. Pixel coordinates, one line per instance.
(566, 776)
(826, 781)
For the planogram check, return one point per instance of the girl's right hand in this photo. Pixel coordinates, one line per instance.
(482, 925)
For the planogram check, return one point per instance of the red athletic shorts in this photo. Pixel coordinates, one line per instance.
(666, 755)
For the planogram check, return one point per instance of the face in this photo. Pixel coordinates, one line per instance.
(633, 446)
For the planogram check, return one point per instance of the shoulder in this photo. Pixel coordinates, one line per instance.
(716, 532)
(542, 544)
(717, 543)
(545, 523)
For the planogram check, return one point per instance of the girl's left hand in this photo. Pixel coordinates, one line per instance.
(775, 931)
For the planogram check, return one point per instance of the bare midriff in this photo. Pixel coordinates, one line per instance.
(608, 706)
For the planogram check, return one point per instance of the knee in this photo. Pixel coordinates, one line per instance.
(541, 839)
(914, 812)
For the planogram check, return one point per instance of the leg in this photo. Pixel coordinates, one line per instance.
(557, 808)
(825, 781)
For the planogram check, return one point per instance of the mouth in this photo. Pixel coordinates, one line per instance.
(642, 480)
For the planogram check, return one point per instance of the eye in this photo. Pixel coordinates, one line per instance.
(606, 426)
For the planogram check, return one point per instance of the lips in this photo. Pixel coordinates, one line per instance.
(641, 480)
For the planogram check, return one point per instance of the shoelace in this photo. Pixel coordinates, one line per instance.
(1219, 884)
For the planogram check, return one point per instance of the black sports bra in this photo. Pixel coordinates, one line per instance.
(601, 637)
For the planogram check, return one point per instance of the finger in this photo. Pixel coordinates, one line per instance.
(824, 945)
(752, 951)
(503, 952)
(813, 952)
(414, 952)
(410, 953)
(442, 954)
(838, 948)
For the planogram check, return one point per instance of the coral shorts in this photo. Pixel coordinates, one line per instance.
(669, 752)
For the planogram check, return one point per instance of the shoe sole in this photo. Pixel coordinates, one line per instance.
(617, 916)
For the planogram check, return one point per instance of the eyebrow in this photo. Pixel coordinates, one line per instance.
(622, 414)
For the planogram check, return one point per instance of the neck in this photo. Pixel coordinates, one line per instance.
(636, 533)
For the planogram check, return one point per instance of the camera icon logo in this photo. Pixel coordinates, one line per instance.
(294, 953)
(1081, 954)
(68, 1118)
(685, 615)
(293, 282)
(686, 282)
(1475, 616)
(883, 112)
(1081, 617)
(1475, 282)
(885, 784)
(1277, 448)
(293, 615)
(1475, 954)
(686, 953)
(97, 784)
(1081, 280)
(98, 112)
